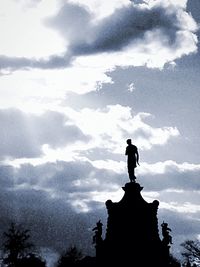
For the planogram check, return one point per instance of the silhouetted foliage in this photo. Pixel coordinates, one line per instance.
(16, 245)
(191, 252)
(31, 260)
(70, 257)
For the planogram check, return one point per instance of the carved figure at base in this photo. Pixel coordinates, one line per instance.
(132, 159)
(167, 239)
(97, 238)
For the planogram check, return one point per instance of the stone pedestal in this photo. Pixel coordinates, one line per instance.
(132, 237)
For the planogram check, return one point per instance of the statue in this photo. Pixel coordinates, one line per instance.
(167, 239)
(132, 160)
(97, 238)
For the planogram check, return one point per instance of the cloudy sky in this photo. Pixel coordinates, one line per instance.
(79, 77)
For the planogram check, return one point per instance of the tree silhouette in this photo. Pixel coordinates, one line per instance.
(70, 257)
(191, 252)
(16, 245)
(16, 248)
(31, 260)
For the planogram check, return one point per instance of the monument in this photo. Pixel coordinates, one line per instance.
(132, 233)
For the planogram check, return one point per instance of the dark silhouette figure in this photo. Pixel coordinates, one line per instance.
(97, 238)
(132, 160)
(167, 239)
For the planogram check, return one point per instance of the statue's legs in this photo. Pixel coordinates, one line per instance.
(132, 175)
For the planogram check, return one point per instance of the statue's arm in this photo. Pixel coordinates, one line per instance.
(137, 157)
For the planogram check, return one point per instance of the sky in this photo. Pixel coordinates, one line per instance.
(78, 78)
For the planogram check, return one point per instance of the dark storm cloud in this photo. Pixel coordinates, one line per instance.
(84, 36)
(40, 198)
(61, 177)
(23, 135)
(50, 220)
(126, 25)
(72, 181)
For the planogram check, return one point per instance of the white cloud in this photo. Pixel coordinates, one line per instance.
(168, 167)
(109, 164)
(111, 126)
(94, 130)
(186, 207)
(38, 90)
(167, 3)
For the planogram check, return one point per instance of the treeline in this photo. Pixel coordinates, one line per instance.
(19, 251)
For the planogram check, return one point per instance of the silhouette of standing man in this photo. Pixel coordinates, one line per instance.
(132, 160)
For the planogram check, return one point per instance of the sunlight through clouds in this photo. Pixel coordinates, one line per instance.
(24, 26)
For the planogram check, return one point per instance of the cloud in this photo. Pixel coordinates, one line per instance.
(170, 175)
(37, 90)
(131, 36)
(23, 135)
(85, 187)
(124, 26)
(111, 126)
(167, 175)
(48, 198)
(16, 63)
(96, 136)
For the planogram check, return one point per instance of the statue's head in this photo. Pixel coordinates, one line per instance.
(128, 141)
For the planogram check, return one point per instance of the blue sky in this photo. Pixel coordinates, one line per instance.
(77, 78)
